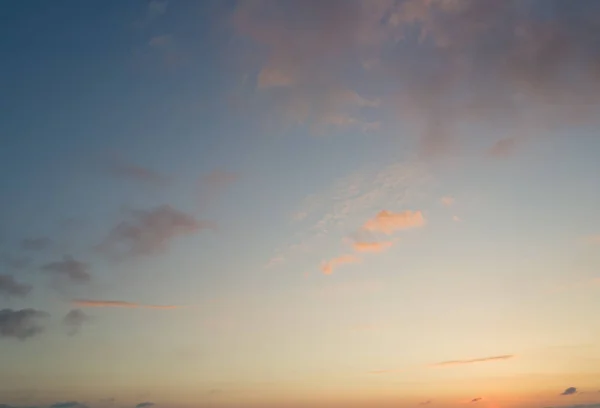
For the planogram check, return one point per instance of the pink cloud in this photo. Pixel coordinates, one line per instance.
(474, 360)
(328, 266)
(362, 246)
(388, 222)
(448, 201)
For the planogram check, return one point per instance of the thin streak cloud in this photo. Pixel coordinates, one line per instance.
(474, 360)
(120, 304)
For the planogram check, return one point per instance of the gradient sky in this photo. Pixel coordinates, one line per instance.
(311, 203)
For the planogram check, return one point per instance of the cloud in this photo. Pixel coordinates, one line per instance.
(328, 266)
(149, 232)
(306, 44)
(434, 57)
(220, 178)
(10, 287)
(74, 320)
(36, 244)
(69, 269)
(456, 218)
(428, 402)
(389, 371)
(161, 41)
(129, 171)
(120, 304)
(503, 147)
(593, 239)
(362, 246)
(476, 399)
(156, 8)
(569, 391)
(475, 360)
(594, 405)
(20, 324)
(447, 201)
(144, 404)
(388, 222)
(68, 404)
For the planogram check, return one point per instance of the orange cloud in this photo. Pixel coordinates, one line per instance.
(388, 222)
(448, 201)
(473, 361)
(328, 267)
(119, 303)
(371, 246)
(503, 147)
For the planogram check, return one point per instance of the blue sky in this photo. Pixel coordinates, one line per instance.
(299, 203)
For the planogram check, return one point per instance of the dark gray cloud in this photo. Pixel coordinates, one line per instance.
(36, 244)
(69, 269)
(144, 404)
(68, 404)
(148, 232)
(20, 324)
(569, 391)
(10, 287)
(74, 320)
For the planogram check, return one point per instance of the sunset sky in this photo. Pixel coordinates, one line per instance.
(310, 203)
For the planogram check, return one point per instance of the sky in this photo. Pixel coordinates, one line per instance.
(277, 203)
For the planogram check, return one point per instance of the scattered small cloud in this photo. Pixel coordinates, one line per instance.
(68, 404)
(328, 266)
(36, 244)
(474, 360)
(362, 246)
(220, 178)
(20, 324)
(161, 41)
(503, 148)
(10, 287)
(456, 218)
(476, 399)
(129, 171)
(69, 269)
(388, 371)
(74, 320)
(428, 402)
(593, 239)
(388, 222)
(569, 391)
(155, 9)
(448, 201)
(144, 404)
(120, 304)
(150, 232)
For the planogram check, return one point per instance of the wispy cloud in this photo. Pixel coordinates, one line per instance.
(69, 269)
(148, 232)
(380, 246)
(476, 399)
(74, 320)
(120, 304)
(428, 402)
(388, 371)
(448, 201)
(146, 404)
(130, 171)
(36, 244)
(328, 266)
(10, 287)
(155, 9)
(388, 222)
(503, 147)
(68, 404)
(21, 324)
(474, 360)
